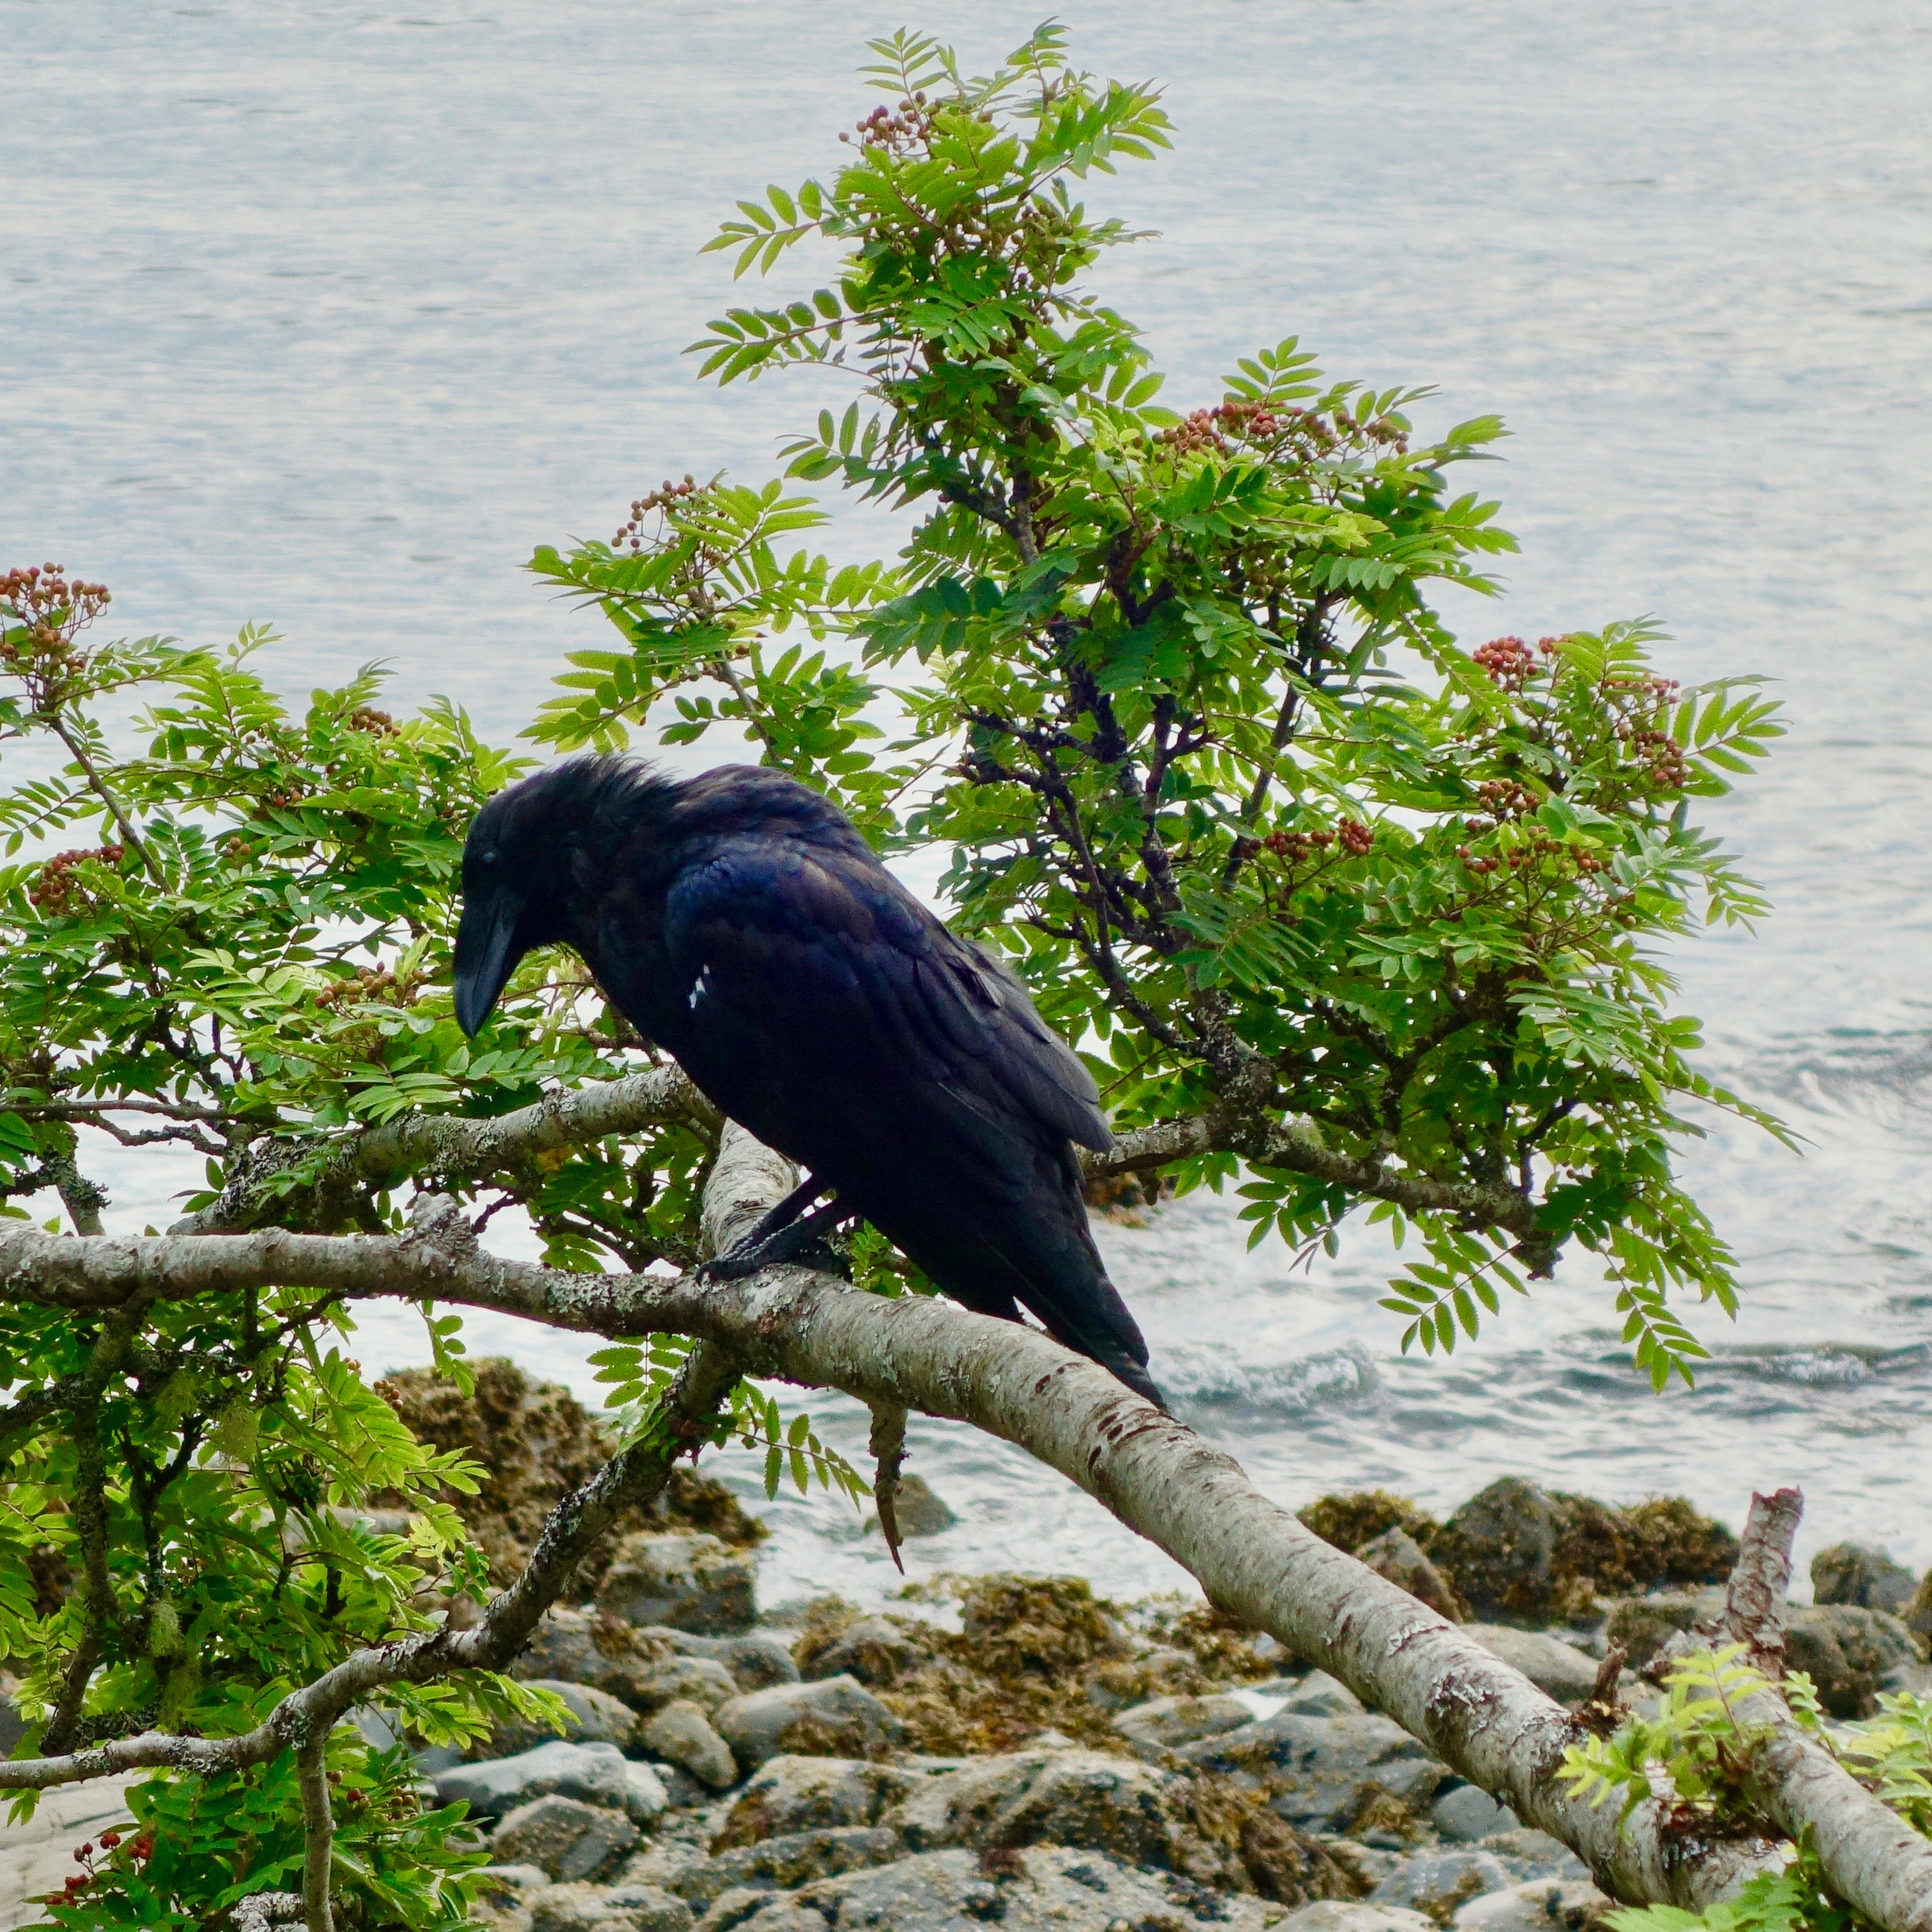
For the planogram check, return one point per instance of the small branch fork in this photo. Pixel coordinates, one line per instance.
(1251, 1555)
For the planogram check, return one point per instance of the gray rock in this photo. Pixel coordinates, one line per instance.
(1861, 1574)
(1044, 1889)
(1317, 1695)
(837, 1716)
(754, 1660)
(1469, 1813)
(646, 1800)
(681, 1734)
(872, 1650)
(1077, 1797)
(595, 1773)
(1643, 1625)
(1536, 1854)
(600, 1653)
(785, 1864)
(917, 1511)
(702, 1681)
(1163, 1723)
(1320, 1772)
(1335, 1915)
(1544, 1905)
(1500, 1547)
(568, 1839)
(610, 1908)
(1557, 1668)
(1847, 1652)
(593, 1717)
(1437, 1883)
(788, 1795)
(691, 1583)
(1396, 1555)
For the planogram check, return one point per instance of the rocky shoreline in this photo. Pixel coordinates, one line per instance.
(1009, 1750)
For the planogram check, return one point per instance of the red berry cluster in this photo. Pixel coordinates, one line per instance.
(1503, 799)
(1538, 846)
(377, 724)
(1509, 662)
(896, 133)
(56, 888)
(141, 1850)
(667, 493)
(1354, 837)
(370, 983)
(50, 607)
(1255, 422)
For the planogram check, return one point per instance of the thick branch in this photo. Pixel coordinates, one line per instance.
(450, 1145)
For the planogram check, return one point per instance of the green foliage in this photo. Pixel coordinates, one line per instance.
(1693, 1748)
(641, 1374)
(1169, 690)
(1268, 843)
(201, 1846)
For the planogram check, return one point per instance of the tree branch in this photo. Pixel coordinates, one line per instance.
(1251, 1555)
(459, 1145)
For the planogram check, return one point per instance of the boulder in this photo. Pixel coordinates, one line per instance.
(593, 1717)
(568, 1839)
(785, 1864)
(1078, 1798)
(691, 1583)
(1335, 1915)
(1469, 1812)
(1165, 1722)
(1396, 1555)
(1543, 1905)
(1043, 1888)
(788, 1795)
(610, 1908)
(1918, 1618)
(1536, 1854)
(1438, 1883)
(837, 1716)
(1500, 1548)
(1317, 1695)
(1321, 1774)
(681, 1734)
(599, 1652)
(595, 1773)
(1643, 1625)
(917, 1511)
(1847, 1652)
(754, 1660)
(1861, 1575)
(872, 1650)
(646, 1800)
(1557, 1668)
(702, 1681)
(501, 1901)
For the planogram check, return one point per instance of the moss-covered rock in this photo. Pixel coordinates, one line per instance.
(537, 1443)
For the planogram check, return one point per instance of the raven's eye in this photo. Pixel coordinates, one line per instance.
(486, 858)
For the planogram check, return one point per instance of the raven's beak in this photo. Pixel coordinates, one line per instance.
(486, 956)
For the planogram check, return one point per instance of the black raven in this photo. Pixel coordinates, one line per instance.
(738, 921)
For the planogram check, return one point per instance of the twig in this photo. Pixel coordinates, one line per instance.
(888, 1447)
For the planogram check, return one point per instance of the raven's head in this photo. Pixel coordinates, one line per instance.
(518, 867)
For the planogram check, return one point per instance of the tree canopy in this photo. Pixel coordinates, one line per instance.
(1346, 914)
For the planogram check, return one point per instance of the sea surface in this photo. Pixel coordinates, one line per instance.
(327, 313)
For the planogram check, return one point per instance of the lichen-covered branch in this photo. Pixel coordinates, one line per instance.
(454, 1145)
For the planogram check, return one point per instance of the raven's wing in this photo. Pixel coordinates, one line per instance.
(818, 960)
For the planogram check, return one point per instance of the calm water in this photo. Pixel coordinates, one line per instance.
(327, 313)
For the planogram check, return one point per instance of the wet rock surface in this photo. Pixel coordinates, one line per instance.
(1861, 1575)
(567, 1838)
(1848, 1653)
(690, 1582)
(832, 1717)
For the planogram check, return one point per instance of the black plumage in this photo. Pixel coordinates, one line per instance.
(738, 921)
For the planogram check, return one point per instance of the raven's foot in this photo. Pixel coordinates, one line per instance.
(801, 1241)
